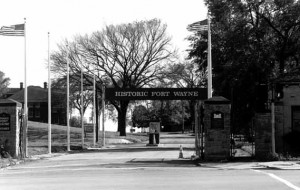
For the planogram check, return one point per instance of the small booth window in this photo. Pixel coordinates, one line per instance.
(217, 120)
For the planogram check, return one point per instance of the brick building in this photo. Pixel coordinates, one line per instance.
(285, 91)
(287, 108)
(37, 99)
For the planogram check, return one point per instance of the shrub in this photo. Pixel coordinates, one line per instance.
(267, 157)
(75, 122)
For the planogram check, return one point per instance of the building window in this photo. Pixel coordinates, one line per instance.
(30, 111)
(37, 111)
(296, 118)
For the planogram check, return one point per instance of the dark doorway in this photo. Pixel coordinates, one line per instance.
(296, 118)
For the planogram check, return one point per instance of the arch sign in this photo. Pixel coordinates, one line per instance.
(156, 94)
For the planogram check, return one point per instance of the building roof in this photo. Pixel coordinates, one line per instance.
(34, 94)
(9, 102)
(12, 90)
(8, 92)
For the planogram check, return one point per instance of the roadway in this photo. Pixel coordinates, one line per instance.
(141, 167)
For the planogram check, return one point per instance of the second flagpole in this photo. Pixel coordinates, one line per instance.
(81, 107)
(49, 97)
(68, 103)
(209, 61)
(25, 140)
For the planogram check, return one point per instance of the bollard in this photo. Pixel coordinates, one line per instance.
(151, 139)
(157, 137)
(180, 152)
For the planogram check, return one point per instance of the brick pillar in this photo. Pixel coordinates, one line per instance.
(263, 135)
(10, 126)
(217, 128)
(280, 129)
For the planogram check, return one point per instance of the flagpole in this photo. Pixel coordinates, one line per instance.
(103, 116)
(94, 111)
(49, 98)
(209, 60)
(25, 94)
(20, 30)
(68, 104)
(81, 101)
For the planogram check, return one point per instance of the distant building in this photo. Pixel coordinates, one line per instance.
(284, 92)
(37, 100)
(287, 108)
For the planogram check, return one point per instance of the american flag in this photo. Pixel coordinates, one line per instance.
(13, 30)
(198, 26)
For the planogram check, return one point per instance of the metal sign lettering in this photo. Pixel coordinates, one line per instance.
(156, 94)
(4, 122)
(217, 120)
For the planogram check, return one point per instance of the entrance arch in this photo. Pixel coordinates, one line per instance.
(218, 124)
(196, 94)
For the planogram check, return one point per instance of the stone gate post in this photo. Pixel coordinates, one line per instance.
(217, 128)
(10, 126)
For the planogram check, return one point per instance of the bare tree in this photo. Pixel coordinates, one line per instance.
(4, 82)
(75, 92)
(184, 75)
(122, 56)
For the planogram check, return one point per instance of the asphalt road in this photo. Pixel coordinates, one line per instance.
(141, 167)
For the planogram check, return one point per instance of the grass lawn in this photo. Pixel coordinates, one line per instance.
(38, 138)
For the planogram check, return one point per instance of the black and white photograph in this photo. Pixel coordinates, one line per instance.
(150, 94)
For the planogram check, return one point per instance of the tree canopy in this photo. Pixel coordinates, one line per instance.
(4, 83)
(252, 43)
(75, 92)
(122, 56)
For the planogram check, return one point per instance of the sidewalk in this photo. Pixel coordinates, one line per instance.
(277, 165)
(283, 165)
(166, 154)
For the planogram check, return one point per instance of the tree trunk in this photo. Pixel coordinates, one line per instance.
(192, 110)
(122, 118)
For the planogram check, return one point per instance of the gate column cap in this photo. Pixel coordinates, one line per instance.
(217, 100)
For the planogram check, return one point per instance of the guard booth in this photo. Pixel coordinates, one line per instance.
(10, 126)
(154, 130)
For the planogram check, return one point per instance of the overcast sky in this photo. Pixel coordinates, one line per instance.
(66, 18)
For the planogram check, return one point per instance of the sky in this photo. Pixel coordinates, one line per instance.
(64, 19)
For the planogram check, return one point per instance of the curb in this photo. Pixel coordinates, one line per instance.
(278, 165)
(6, 163)
(282, 165)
